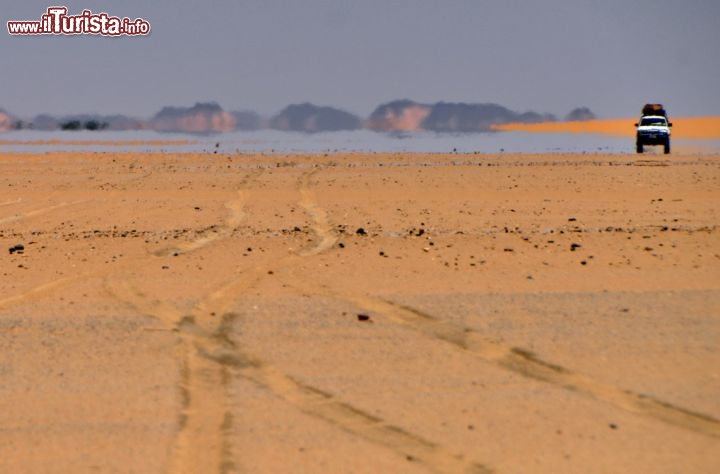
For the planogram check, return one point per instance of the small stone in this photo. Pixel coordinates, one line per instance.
(360, 231)
(363, 317)
(19, 248)
(613, 426)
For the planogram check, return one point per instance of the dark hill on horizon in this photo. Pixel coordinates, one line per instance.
(207, 117)
(408, 115)
(397, 115)
(311, 118)
(462, 117)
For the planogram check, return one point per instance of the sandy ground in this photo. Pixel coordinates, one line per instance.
(350, 313)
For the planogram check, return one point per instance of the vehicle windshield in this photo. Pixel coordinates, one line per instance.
(653, 121)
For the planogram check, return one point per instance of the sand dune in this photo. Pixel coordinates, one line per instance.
(359, 313)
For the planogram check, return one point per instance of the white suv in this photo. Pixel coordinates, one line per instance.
(653, 130)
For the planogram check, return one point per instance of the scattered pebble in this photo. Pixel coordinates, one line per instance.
(360, 231)
(19, 248)
(363, 317)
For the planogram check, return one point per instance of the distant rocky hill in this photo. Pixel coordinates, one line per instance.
(398, 115)
(407, 115)
(201, 118)
(6, 121)
(87, 122)
(312, 118)
(403, 115)
(462, 117)
(580, 114)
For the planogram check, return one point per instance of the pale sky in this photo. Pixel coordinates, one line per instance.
(546, 56)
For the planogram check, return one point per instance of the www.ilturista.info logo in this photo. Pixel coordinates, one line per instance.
(57, 22)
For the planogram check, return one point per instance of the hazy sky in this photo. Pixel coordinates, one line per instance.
(548, 56)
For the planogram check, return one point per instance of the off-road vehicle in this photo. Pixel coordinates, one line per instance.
(653, 128)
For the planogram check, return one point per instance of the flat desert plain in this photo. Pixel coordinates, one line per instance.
(203, 313)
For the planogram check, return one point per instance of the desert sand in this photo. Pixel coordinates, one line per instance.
(188, 313)
(689, 128)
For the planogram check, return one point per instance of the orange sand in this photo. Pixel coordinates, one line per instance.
(195, 313)
(697, 128)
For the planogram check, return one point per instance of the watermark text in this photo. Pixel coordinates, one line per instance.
(57, 22)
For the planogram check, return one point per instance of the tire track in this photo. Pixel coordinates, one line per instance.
(14, 201)
(515, 359)
(211, 357)
(323, 405)
(528, 364)
(38, 290)
(204, 421)
(235, 216)
(321, 227)
(40, 211)
(201, 439)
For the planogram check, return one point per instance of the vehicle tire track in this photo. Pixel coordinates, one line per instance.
(38, 290)
(200, 440)
(528, 364)
(14, 201)
(39, 211)
(323, 405)
(323, 230)
(204, 420)
(235, 216)
(210, 357)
